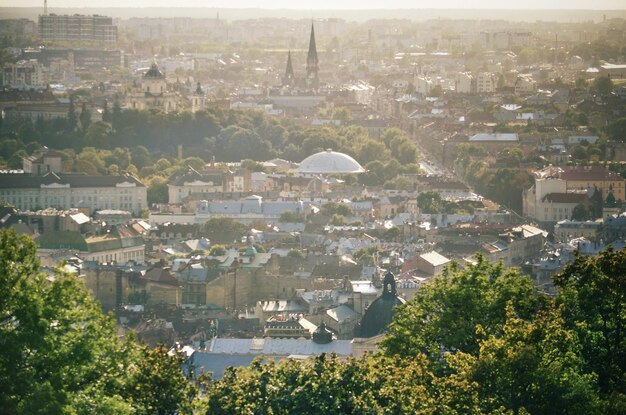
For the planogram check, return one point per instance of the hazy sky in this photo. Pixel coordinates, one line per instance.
(333, 4)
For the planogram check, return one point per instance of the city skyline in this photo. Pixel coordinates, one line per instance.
(332, 5)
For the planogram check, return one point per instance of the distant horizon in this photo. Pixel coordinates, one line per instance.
(237, 11)
(345, 5)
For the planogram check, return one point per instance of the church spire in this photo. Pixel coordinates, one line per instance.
(289, 77)
(312, 61)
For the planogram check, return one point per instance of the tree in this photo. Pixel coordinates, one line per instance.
(72, 120)
(325, 385)
(580, 212)
(158, 385)
(223, 230)
(617, 129)
(60, 354)
(602, 85)
(217, 250)
(445, 314)
(84, 117)
(593, 290)
(532, 366)
(429, 202)
(157, 190)
(333, 208)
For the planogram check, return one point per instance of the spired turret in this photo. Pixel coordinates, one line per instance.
(380, 313)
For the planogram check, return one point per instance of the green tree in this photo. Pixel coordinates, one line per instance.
(84, 117)
(72, 120)
(217, 250)
(580, 212)
(332, 208)
(158, 386)
(446, 313)
(59, 354)
(157, 190)
(532, 367)
(593, 290)
(602, 85)
(223, 230)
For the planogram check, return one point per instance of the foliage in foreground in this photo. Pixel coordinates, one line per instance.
(476, 341)
(59, 354)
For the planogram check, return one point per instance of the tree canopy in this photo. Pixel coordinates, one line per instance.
(60, 354)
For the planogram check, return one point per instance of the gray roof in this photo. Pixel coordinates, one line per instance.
(280, 347)
(512, 137)
(216, 363)
(26, 181)
(342, 313)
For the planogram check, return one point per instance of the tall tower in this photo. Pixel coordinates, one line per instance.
(289, 78)
(312, 62)
(197, 100)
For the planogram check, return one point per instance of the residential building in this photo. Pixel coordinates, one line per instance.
(432, 263)
(586, 177)
(566, 230)
(23, 74)
(485, 83)
(464, 83)
(525, 84)
(77, 27)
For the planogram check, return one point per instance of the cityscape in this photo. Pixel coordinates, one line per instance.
(343, 210)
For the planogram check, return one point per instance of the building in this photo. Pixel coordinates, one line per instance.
(525, 85)
(586, 177)
(516, 245)
(17, 27)
(566, 230)
(77, 28)
(199, 185)
(120, 244)
(153, 92)
(198, 100)
(485, 83)
(66, 191)
(463, 83)
(613, 71)
(312, 63)
(548, 200)
(23, 74)
(380, 313)
(75, 58)
(432, 263)
(43, 161)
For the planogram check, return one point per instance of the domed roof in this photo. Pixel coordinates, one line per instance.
(380, 313)
(153, 72)
(329, 162)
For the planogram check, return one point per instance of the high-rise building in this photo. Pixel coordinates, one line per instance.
(77, 27)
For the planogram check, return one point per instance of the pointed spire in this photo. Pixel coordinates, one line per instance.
(311, 59)
(289, 70)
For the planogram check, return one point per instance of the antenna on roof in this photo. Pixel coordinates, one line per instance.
(45, 7)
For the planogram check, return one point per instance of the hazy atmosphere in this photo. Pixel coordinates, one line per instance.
(324, 208)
